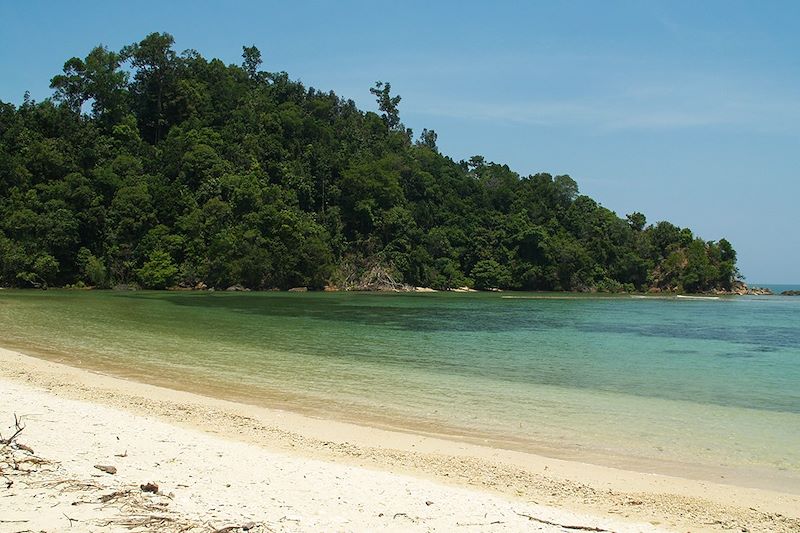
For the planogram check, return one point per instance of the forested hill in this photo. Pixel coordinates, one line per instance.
(155, 168)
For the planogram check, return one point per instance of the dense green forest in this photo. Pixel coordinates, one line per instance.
(153, 168)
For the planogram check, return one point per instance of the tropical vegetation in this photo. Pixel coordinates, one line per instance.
(153, 168)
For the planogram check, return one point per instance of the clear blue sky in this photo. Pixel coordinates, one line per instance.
(686, 111)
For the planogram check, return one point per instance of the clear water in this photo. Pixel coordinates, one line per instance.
(705, 388)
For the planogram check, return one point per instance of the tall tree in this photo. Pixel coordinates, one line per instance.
(107, 85)
(251, 60)
(71, 86)
(428, 139)
(388, 104)
(156, 66)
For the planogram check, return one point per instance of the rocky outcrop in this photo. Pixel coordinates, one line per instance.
(740, 288)
(790, 293)
(237, 288)
(759, 291)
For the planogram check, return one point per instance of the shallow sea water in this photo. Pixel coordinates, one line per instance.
(703, 388)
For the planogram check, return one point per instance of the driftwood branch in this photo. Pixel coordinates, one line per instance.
(71, 520)
(18, 429)
(564, 526)
(249, 526)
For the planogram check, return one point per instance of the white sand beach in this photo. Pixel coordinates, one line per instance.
(220, 464)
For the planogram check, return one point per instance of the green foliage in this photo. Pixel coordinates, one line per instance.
(251, 60)
(92, 269)
(158, 272)
(387, 104)
(42, 271)
(489, 274)
(167, 169)
(637, 220)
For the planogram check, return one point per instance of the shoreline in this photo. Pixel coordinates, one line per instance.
(595, 453)
(650, 292)
(586, 489)
(100, 468)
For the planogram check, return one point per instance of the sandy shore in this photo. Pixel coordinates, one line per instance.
(221, 464)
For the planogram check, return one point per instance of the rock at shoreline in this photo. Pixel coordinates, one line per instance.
(463, 289)
(237, 288)
(790, 293)
(759, 291)
(298, 289)
(740, 288)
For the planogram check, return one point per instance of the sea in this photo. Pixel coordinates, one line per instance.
(699, 388)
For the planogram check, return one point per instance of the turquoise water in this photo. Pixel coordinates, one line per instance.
(705, 388)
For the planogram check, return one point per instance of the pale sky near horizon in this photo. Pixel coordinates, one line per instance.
(685, 111)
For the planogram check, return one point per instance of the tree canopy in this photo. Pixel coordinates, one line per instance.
(158, 168)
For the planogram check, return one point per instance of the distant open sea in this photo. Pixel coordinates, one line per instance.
(700, 388)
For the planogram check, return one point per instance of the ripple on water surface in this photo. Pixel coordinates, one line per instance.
(711, 383)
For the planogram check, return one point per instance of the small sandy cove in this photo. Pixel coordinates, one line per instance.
(176, 461)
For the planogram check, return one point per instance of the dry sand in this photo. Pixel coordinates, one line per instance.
(222, 464)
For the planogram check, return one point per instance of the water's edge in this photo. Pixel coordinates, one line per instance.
(554, 378)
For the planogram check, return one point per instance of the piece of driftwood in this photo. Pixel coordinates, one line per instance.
(230, 529)
(149, 487)
(107, 469)
(549, 523)
(18, 427)
(105, 498)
